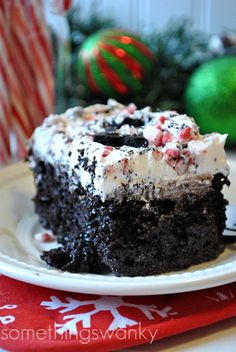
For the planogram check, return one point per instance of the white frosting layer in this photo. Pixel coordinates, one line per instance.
(176, 150)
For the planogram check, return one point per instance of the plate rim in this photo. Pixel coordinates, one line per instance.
(120, 286)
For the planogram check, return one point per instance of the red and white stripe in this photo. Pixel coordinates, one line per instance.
(5, 107)
(27, 85)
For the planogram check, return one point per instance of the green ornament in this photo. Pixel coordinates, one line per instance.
(210, 96)
(113, 62)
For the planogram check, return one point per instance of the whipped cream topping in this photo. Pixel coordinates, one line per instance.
(112, 149)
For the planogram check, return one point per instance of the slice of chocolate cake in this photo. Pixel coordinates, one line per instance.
(127, 191)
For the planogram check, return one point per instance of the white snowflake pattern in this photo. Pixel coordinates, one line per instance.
(219, 296)
(104, 303)
(7, 319)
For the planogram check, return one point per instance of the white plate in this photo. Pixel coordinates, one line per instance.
(20, 252)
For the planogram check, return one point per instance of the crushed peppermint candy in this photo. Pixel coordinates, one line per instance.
(44, 237)
(173, 153)
(106, 151)
(162, 119)
(185, 134)
(153, 135)
(166, 137)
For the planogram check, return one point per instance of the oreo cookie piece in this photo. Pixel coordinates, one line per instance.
(117, 141)
(134, 122)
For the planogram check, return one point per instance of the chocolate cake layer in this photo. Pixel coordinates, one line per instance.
(132, 237)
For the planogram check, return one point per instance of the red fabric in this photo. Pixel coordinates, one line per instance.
(33, 318)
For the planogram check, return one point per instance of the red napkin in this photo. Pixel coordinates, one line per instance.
(35, 318)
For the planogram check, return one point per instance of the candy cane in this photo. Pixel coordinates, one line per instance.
(61, 6)
(27, 67)
(37, 54)
(5, 107)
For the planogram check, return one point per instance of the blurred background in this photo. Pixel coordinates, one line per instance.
(170, 54)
